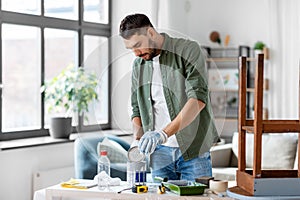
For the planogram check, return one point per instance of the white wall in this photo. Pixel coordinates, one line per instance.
(122, 60)
(17, 167)
(245, 21)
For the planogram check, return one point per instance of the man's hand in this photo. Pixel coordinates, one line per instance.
(150, 140)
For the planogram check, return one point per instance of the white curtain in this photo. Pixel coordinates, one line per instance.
(284, 64)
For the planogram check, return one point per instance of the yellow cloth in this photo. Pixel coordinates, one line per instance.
(79, 184)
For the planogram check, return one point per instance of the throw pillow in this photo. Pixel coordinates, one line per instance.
(278, 150)
(115, 152)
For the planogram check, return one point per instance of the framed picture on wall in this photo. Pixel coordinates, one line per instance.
(223, 79)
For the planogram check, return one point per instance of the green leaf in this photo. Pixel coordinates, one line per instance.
(71, 90)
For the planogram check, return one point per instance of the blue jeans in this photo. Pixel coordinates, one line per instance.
(168, 162)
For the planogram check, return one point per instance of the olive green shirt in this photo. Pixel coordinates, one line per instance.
(184, 76)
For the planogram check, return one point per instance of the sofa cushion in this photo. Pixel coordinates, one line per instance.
(221, 155)
(278, 150)
(224, 173)
(115, 152)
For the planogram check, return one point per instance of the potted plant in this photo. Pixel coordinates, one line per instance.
(258, 47)
(70, 92)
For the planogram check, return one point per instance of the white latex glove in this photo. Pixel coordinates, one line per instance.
(150, 140)
(134, 143)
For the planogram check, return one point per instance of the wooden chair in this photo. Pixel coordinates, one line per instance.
(258, 182)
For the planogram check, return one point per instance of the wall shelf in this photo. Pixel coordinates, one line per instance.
(223, 77)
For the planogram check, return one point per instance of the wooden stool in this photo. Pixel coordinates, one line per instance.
(258, 182)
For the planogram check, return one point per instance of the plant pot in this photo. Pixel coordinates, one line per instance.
(257, 51)
(60, 127)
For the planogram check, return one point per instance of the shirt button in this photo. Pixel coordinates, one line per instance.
(149, 99)
(150, 114)
(149, 129)
(148, 81)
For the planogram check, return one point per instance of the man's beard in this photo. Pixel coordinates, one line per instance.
(152, 54)
(152, 50)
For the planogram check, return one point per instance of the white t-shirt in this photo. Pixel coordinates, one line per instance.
(160, 109)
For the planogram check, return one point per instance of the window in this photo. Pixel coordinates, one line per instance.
(22, 6)
(60, 51)
(37, 42)
(66, 9)
(91, 11)
(21, 78)
(96, 56)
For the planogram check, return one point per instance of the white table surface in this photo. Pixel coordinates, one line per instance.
(57, 192)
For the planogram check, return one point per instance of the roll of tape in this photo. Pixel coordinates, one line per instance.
(218, 185)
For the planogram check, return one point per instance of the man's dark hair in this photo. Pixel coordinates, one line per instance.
(134, 24)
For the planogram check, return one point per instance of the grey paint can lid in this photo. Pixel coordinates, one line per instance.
(134, 154)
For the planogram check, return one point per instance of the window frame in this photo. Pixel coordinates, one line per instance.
(82, 28)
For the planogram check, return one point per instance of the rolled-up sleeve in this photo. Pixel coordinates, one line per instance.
(196, 76)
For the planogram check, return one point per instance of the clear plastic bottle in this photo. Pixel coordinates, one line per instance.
(103, 163)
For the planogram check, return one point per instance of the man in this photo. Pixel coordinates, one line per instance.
(172, 116)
